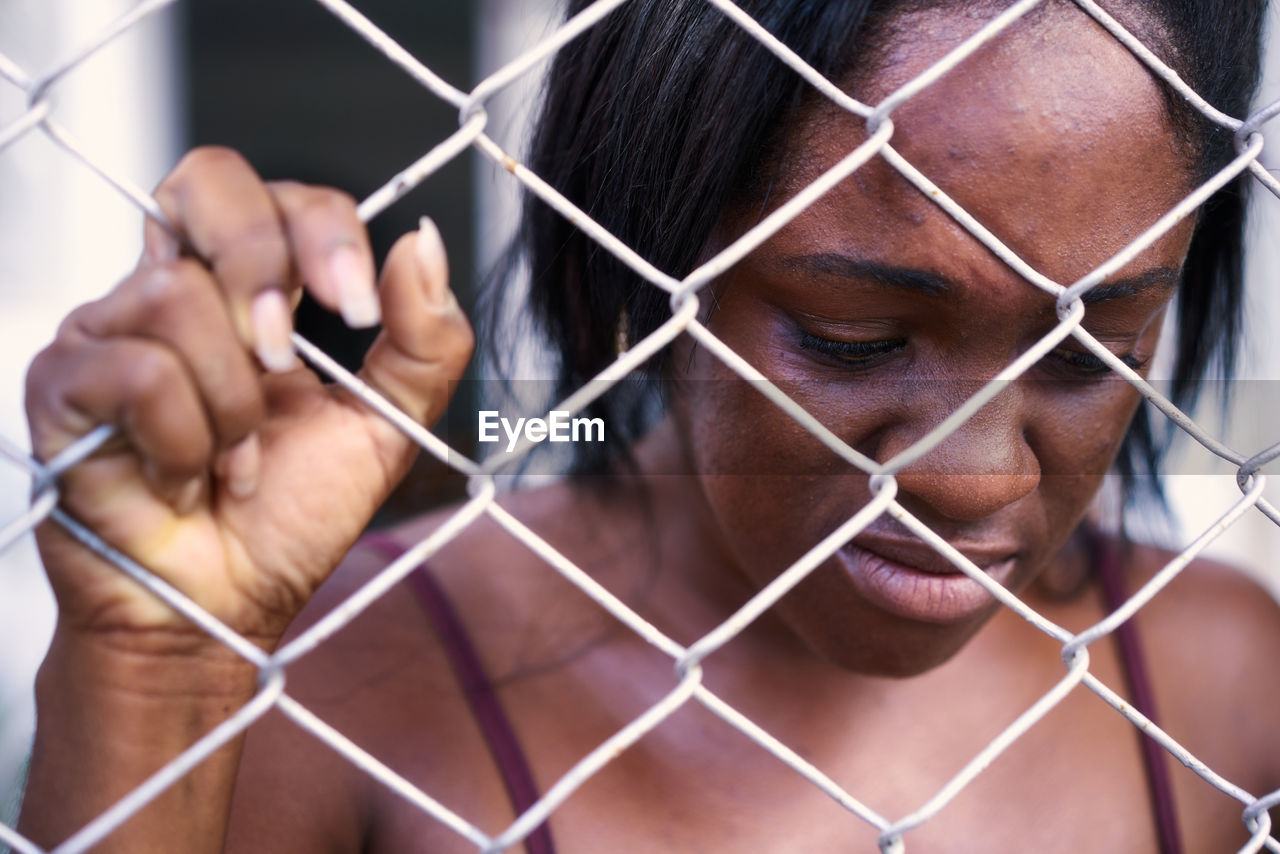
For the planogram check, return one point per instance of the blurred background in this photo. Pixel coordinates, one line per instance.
(303, 97)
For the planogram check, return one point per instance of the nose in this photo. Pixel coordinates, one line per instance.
(985, 465)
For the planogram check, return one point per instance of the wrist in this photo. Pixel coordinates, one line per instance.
(114, 708)
(158, 666)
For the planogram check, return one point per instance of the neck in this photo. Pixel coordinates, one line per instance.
(699, 584)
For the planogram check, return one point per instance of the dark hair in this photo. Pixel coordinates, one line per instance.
(655, 119)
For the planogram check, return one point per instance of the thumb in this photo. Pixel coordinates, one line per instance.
(426, 340)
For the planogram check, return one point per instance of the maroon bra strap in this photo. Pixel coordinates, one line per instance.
(485, 707)
(1107, 562)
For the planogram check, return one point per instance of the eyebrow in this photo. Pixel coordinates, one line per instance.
(935, 284)
(1161, 278)
(849, 267)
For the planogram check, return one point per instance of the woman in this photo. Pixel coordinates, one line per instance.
(245, 482)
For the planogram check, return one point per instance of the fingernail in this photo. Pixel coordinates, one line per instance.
(433, 264)
(242, 465)
(188, 496)
(271, 327)
(357, 298)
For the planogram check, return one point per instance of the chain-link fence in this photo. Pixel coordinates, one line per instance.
(685, 295)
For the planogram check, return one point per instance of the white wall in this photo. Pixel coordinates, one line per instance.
(65, 237)
(1206, 488)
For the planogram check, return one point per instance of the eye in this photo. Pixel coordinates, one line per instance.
(855, 353)
(1087, 364)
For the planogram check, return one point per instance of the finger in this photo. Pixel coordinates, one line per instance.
(159, 243)
(139, 386)
(426, 340)
(330, 249)
(226, 213)
(178, 305)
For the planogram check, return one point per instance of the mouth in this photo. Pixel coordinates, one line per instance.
(912, 581)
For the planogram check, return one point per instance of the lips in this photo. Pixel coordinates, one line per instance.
(912, 581)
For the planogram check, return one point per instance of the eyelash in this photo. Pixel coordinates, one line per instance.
(860, 353)
(856, 353)
(1089, 364)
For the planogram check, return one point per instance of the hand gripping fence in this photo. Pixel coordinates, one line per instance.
(687, 684)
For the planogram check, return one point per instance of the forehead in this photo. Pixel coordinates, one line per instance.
(1052, 135)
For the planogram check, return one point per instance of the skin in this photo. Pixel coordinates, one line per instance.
(1016, 479)
(169, 358)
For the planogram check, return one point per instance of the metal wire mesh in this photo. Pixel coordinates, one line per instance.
(687, 681)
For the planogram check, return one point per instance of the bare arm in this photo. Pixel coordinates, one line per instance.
(112, 716)
(236, 475)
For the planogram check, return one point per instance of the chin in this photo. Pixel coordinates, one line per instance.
(899, 661)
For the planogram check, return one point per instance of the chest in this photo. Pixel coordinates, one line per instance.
(694, 788)
(1074, 782)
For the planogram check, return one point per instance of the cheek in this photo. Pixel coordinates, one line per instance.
(773, 488)
(1076, 439)
(1078, 431)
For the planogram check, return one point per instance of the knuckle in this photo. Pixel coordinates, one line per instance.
(159, 402)
(466, 344)
(78, 320)
(327, 203)
(460, 338)
(65, 355)
(189, 457)
(258, 232)
(287, 186)
(169, 287)
(258, 243)
(38, 406)
(242, 410)
(193, 454)
(194, 166)
(153, 373)
(453, 361)
(41, 372)
(217, 157)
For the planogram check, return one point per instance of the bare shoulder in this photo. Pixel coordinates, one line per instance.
(1213, 637)
(380, 686)
(1212, 612)
(483, 573)
(508, 580)
(387, 681)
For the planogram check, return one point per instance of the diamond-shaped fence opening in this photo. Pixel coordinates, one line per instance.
(687, 295)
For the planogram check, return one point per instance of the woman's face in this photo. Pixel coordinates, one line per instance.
(880, 315)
